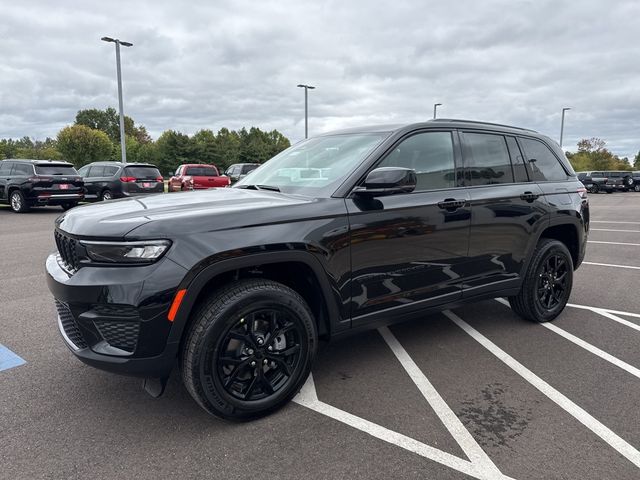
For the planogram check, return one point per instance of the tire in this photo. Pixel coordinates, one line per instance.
(628, 182)
(595, 188)
(17, 202)
(69, 206)
(536, 301)
(636, 187)
(106, 195)
(231, 342)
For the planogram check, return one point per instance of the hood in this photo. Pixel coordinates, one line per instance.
(180, 213)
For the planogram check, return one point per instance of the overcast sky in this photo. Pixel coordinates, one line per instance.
(215, 64)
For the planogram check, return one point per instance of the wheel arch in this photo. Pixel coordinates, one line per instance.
(297, 270)
(568, 234)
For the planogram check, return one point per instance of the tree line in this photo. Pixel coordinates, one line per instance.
(593, 154)
(95, 136)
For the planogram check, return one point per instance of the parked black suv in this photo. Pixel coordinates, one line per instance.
(237, 285)
(107, 180)
(36, 183)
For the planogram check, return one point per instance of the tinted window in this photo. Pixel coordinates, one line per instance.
(55, 170)
(20, 169)
(96, 171)
(517, 161)
(430, 154)
(543, 163)
(249, 168)
(204, 171)
(486, 159)
(5, 168)
(142, 172)
(83, 171)
(110, 171)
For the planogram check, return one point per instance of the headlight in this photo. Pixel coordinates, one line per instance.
(146, 251)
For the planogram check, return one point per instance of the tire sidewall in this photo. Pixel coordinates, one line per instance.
(204, 366)
(22, 200)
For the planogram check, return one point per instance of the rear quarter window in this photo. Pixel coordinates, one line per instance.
(543, 164)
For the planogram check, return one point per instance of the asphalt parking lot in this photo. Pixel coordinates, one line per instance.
(471, 393)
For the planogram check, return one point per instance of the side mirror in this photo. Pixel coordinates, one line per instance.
(388, 181)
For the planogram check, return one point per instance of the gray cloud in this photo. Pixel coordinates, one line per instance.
(213, 64)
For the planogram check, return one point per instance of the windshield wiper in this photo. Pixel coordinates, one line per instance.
(272, 188)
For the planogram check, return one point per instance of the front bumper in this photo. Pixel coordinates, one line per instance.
(115, 318)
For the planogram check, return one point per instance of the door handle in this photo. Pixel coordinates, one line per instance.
(529, 196)
(451, 204)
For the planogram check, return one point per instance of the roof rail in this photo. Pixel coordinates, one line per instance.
(475, 122)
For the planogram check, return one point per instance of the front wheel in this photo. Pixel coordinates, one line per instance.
(595, 188)
(249, 349)
(547, 284)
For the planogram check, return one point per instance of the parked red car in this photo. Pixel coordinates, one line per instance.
(197, 177)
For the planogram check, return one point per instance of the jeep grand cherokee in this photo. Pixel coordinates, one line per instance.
(339, 233)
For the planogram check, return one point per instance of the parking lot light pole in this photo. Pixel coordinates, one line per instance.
(562, 124)
(306, 108)
(122, 138)
(435, 108)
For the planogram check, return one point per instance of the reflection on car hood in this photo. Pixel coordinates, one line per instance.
(194, 211)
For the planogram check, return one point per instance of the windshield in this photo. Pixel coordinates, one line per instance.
(314, 167)
(202, 171)
(55, 170)
(142, 172)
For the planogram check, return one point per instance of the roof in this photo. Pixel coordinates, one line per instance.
(39, 162)
(440, 122)
(121, 164)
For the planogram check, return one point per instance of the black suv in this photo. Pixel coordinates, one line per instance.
(36, 183)
(237, 285)
(107, 180)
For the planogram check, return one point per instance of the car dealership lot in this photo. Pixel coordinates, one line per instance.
(475, 392)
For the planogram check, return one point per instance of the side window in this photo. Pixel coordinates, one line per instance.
(544, 164)
(110, 171)
(486, 159)
(430, 154)
(96, 171)
(517, 161)
(5, 169)
(83, 171)
(22, 170)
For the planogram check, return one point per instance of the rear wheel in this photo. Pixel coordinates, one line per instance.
(636, 187)
(106, 195)
(249, 349)
(547, 283)
(18, 202)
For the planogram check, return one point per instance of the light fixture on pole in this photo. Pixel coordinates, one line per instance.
(306, 108)
(562, 124)
(122, 138)
(435, 108)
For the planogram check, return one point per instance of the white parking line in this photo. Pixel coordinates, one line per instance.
(615, 243)
(612, 221)
(613, 230)
(448, 418)
(309, 398)
(606, 434)
(587, 346)
(631, 267)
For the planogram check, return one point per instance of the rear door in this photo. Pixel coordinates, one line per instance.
(408, 250)
(507, 211)
(58, 179)
(5, 177)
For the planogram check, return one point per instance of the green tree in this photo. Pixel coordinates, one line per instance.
(80, 145)
(205, 147)
(592, 154)
(174, 148)
(228, 148)
(636, 161)
(108, 121)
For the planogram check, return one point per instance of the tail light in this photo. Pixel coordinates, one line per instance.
(159, 179)
(128, 179)
(39, 179)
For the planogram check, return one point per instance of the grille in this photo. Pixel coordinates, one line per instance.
(69, 325)
(115, 310)
(67, 247)
(122, 335)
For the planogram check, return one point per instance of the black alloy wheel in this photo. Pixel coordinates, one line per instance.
(546, 286)
(259, 353)
(552, 281)
(248, 349)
